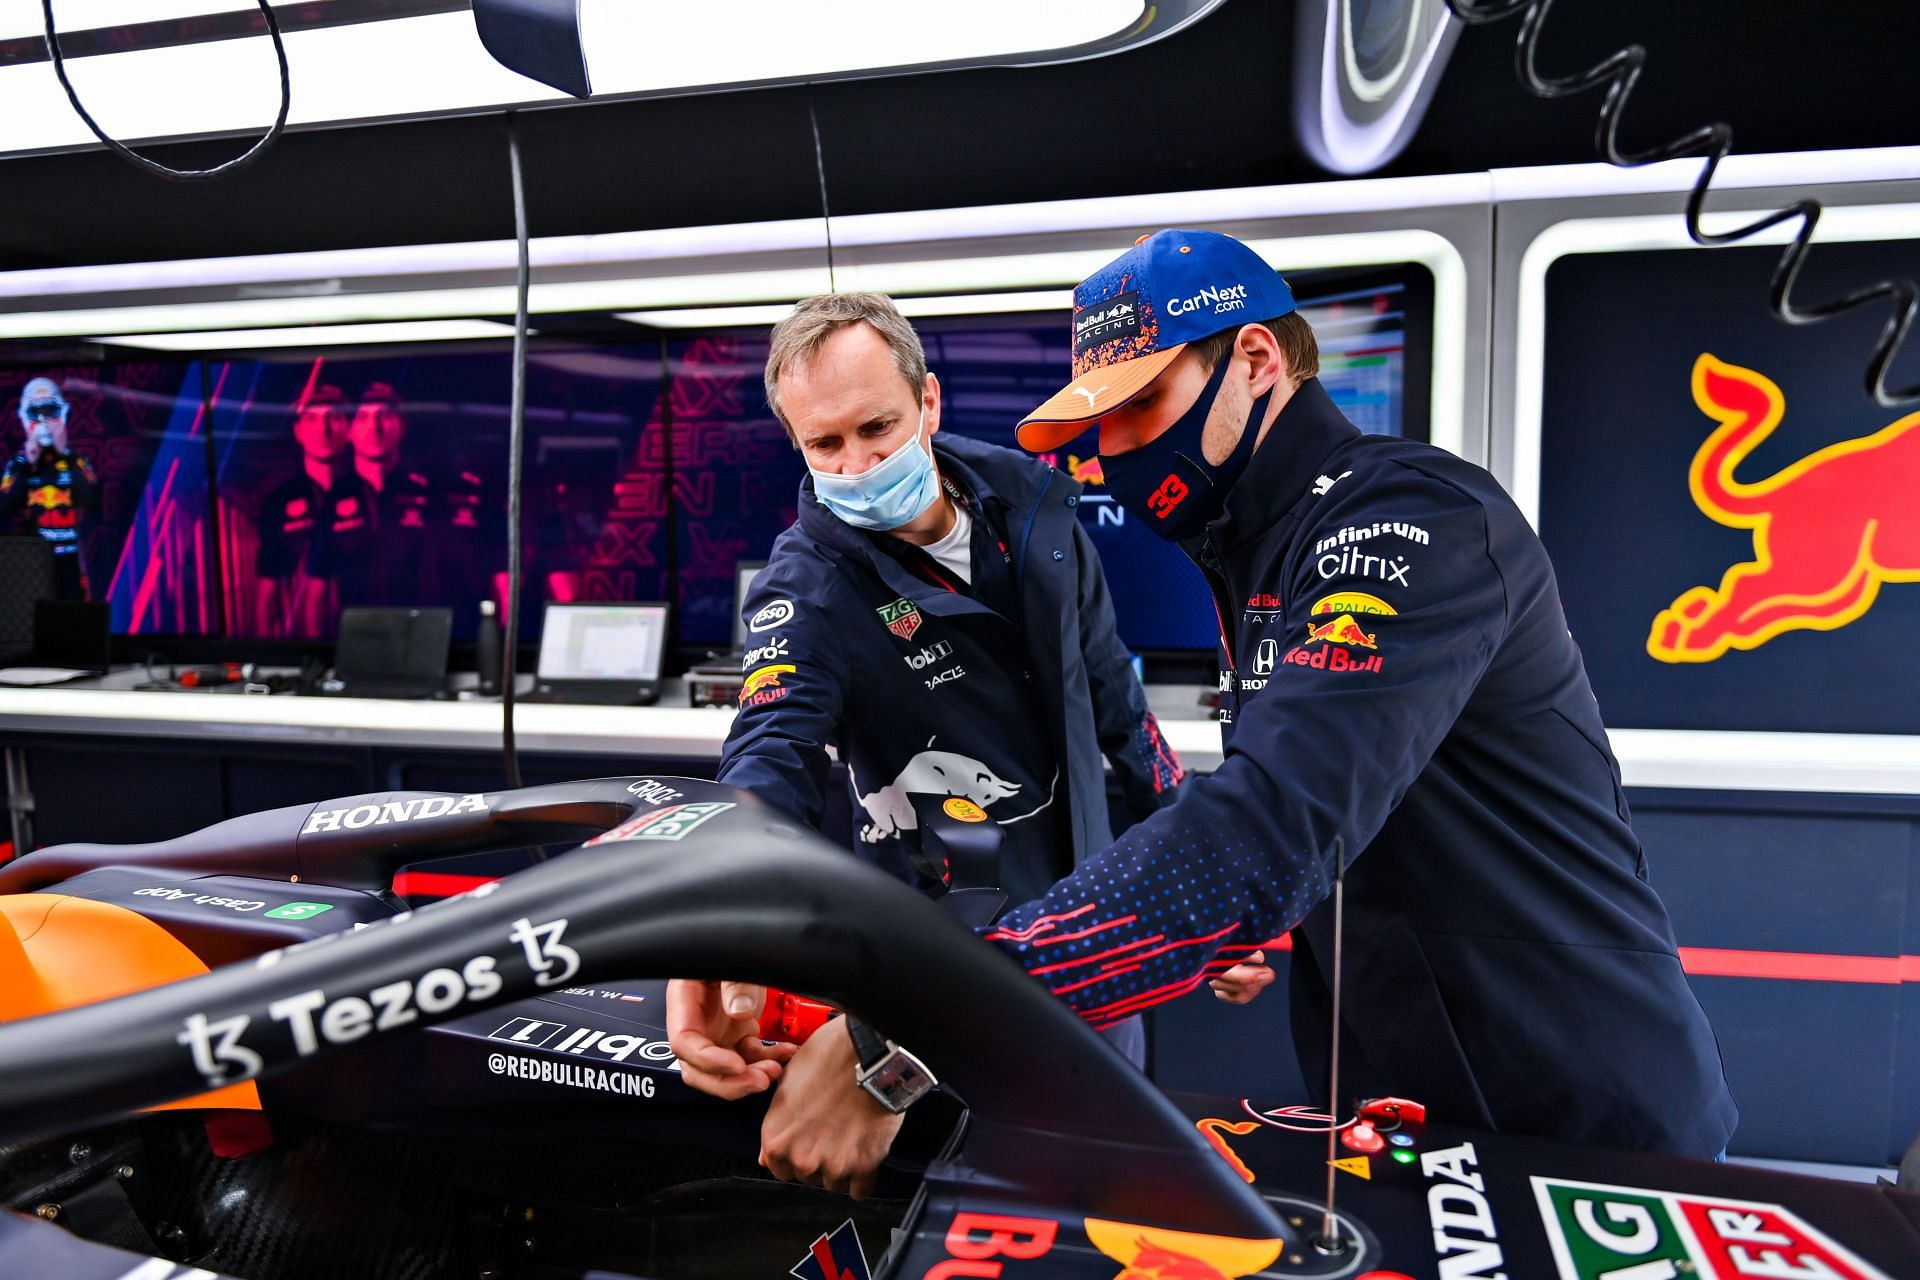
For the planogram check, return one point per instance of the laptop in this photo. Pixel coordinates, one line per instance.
(391, 653)
(743, 575)
(606, 654)
(715, 679)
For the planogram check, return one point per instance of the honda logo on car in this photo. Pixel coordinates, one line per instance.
(1464, 1233)
(392, 811)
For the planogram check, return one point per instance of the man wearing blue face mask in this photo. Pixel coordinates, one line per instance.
(938, 615)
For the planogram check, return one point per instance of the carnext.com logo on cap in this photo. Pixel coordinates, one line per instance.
(1222, 299)
(1117, 317)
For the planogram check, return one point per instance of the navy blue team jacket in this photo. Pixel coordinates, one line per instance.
(1399, 681)
(926, 689)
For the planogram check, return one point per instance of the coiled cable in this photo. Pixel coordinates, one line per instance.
(1619, 73)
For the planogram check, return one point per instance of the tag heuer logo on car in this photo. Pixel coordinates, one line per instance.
(675, 822)
(1599, 1231)
(902, 617)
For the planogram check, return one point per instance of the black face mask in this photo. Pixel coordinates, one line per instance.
(1168, 482)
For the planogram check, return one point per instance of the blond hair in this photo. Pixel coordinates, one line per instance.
(798, 338)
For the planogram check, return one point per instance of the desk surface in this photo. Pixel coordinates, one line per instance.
(1862, 764)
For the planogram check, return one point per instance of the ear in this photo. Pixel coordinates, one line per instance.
(931, 398)
(1267, 363)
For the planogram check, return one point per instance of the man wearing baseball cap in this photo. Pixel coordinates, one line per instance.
(1400, 691)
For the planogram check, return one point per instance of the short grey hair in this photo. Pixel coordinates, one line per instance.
(798, 339)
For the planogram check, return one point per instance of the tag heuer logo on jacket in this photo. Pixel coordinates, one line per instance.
(902, 617)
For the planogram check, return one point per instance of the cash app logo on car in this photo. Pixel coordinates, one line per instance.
(299, 910)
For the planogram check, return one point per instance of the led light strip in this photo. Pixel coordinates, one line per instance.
(313, 335)
(978, 304)
(1126, 213)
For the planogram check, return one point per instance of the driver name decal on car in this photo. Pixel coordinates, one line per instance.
(392, 811)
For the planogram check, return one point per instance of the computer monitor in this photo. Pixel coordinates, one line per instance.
(605, 653)
(743, 575)
(392, 652)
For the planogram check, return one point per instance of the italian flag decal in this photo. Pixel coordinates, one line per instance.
(1601, 1232)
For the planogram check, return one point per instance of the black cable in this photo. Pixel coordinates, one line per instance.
(516, 428)
(820, 168)
(154, 166)
(1619, 73)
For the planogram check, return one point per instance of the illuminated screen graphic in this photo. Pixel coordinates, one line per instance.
(256, 497)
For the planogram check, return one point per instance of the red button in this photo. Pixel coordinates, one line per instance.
(1363, 1137)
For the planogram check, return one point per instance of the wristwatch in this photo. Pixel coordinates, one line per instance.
(895, 1078)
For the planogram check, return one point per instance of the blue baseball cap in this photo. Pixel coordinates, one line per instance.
(1134, 315)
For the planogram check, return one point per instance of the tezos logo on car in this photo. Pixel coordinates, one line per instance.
(313, 1018)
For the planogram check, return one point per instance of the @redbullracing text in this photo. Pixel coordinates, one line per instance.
(575, 1075)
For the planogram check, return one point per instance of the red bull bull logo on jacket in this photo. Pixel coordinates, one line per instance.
(1828, 530)
(1338, 638)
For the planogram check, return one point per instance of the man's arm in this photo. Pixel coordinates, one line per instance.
(1144, 763)
(792, 701)
(1348, 718)
(86, 486)
(13, 489)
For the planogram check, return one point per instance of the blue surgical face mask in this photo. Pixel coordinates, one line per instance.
(1168, 482)
(888, 494)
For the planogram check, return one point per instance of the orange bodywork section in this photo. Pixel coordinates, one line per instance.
(58, 952)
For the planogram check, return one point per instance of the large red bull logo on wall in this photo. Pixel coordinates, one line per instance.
(1828, 530)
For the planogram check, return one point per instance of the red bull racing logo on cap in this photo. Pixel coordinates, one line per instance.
(1828, 530)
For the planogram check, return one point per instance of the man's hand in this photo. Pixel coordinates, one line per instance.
(32, 449)
(714, 1028)
(822, 1128)
(1244, 981)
